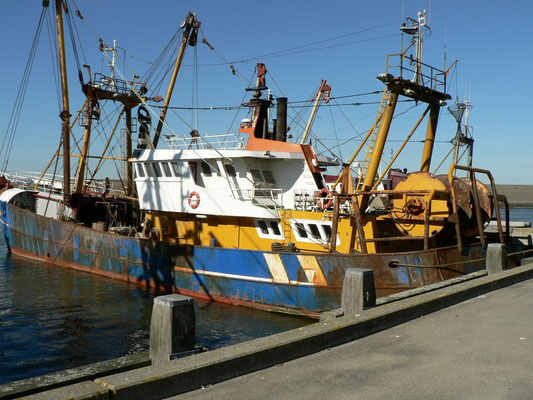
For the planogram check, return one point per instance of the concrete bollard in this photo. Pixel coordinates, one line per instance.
(172, 328)
(496, 258)
(358, 290)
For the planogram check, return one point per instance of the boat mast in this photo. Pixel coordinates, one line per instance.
(429, 142)
(65, 113)
(322, 92)
(100, 87)
(190, 31)
(379, 145)
(89, 113)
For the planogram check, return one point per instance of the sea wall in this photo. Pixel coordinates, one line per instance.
(517, 195)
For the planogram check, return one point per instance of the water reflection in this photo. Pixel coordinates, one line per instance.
(53, 318)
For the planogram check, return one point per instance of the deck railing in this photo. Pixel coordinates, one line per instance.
(47, 183)
(115, 85)
(224, 141)
(401, 65)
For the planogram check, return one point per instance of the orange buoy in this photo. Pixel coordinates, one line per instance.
(194, 200)
(324, 199)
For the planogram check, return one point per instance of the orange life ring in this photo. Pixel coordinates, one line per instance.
(194, 200)
(324, 199)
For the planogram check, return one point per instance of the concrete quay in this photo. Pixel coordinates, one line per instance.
(472, 351)
(478, 349)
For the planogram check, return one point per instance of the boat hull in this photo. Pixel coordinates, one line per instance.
(297, 283)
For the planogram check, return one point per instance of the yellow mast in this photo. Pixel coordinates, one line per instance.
(65, 113)
(129, 165)
(381, 138)
(190, 24)
(430, 137)
(324, 90)
(85, 146)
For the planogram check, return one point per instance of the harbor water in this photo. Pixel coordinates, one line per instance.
(519, 214)
(52, 318)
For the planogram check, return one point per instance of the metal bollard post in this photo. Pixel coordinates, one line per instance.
(358, 290)
(172, 328)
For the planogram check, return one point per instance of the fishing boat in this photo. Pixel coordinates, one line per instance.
(250, 218)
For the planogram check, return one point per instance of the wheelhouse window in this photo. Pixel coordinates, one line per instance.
(206, 169)
(268, 229)
(176, 168)
(192, 168)
(275, 228)
(140, 170)
(327, 231)
(256, 175)
(149, 170)
(301, 230)
(166, 170)
(157, 169)
(269, 178)
(230, 170)
(263, 227)
(314, 231)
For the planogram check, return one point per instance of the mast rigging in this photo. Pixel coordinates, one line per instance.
(190, 33)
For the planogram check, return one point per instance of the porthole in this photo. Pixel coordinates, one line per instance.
(394, 264)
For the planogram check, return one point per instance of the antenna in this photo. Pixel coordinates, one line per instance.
(104, 48)
(463, 135)
(445, 45)
(415, 30)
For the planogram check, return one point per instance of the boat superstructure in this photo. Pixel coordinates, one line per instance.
(278, 187)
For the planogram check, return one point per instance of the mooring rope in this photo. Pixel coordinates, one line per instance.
(520, 252)
(440, 265)
(458, 262)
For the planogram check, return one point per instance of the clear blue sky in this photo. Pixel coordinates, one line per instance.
(491, 40)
